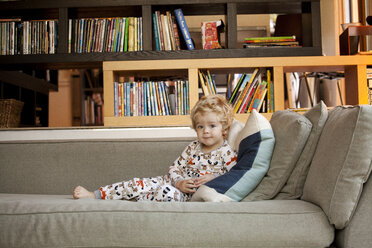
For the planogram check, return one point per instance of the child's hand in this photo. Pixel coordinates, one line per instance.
(204, 179)
(186, 186)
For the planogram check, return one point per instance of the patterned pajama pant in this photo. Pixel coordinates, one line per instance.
(144, 189)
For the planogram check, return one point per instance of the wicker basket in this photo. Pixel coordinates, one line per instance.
(10, 112)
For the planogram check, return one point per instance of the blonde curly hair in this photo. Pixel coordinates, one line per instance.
(218, 105)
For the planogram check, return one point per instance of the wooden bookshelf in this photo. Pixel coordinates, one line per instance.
(354, 67)
(70, 9)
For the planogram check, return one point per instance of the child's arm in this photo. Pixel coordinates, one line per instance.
(175, 171)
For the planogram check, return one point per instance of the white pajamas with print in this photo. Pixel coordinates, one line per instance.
(192, 164)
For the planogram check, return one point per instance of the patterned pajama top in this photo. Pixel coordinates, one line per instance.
(193, 163)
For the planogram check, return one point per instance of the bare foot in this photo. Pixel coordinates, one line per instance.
(83, 193)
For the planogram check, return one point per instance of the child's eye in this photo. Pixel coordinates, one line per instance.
(199, 127)
(213, 126)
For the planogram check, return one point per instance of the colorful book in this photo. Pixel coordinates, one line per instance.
(243, 89)
(270, 39)
(176, 34)
(236, 90)
(156, 35)
(184, 29)
(170, 28)
(202, 84)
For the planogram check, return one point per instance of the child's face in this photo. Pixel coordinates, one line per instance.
(209, 131)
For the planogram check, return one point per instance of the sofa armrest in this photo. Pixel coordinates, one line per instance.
(358, 232)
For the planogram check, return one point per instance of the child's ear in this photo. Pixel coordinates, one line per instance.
(225, 132)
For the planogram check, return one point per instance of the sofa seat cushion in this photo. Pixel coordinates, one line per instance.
(51, 221)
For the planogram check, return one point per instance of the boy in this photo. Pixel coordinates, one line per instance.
(201, 161)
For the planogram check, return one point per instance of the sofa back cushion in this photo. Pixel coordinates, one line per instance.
(341, 163)
(291, 131)
(293, 188)
(56, 167)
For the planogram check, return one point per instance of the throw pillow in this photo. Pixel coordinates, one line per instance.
(341, 164)
(291, 132)
(256, 143)
(294, 186)
(235, 129)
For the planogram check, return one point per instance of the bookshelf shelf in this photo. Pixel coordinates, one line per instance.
(355, 68)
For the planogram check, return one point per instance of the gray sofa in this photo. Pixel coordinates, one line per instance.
(38, 171)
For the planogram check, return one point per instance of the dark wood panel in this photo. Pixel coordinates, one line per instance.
(26, 81)
(94, 60)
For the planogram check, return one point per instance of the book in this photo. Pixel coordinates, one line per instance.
(270, 39)
(156, 32)
(207, 83)
(176, 34)
(170, 30)
(210, 34)
(243, 90)
(166, 33)
(202, 84)
(151, 98)
(271, 44)
(184, 29)
(236, 89)
(160, 28)
(95, 35)
(249, 91)
(258, 96)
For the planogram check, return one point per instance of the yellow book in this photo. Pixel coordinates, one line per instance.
(202, 83)
(131, 34)
(211, 83)
(269, 110)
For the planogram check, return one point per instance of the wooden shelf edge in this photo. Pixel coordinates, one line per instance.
(94, 60)
(163, 121)
(148, 121)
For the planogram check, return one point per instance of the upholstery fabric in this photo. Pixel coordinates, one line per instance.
(293, 188)
(60, 221)
(341, 164)
(291, 131)
(358, 231)
(88, 163)
(256, 142)
(235, 129)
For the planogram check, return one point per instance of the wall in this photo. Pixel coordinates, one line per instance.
(330, 11)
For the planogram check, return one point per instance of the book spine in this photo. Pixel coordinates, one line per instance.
(160, 29)
(184, 29)
(171, 32)
(166, 32)
(176, 34)
(156, 34)
(275, 38)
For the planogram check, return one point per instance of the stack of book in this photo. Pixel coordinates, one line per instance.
(93, 109)
(167, 29)
(151, 98)
(280, 41)
(207, 83)
(28, 37)
(105, 35)
(252, 91)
